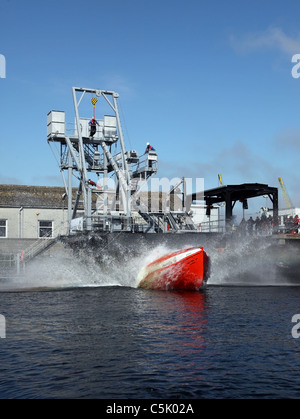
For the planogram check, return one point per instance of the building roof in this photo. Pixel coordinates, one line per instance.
(238, 192)
(51, 197)
(32, 196)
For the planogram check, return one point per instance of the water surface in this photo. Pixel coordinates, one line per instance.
(123, 342)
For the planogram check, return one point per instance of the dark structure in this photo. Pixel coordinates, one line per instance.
(230, 194)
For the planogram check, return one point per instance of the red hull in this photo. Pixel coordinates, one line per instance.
(183, 270)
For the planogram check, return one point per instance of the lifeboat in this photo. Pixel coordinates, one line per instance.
(182, 270)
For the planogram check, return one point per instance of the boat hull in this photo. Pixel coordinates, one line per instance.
(183, 270)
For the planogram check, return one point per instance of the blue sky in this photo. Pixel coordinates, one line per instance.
(208, 83)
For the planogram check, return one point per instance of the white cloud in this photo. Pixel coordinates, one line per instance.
(272, 38)
(238, 163)
(288, 140)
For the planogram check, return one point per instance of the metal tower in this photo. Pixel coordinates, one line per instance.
(95, 147)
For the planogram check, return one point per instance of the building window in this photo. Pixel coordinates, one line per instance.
(3, 228)
(45, 228)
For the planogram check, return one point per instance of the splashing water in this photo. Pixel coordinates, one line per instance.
(68, 271)
(251, 262)
(248, 263)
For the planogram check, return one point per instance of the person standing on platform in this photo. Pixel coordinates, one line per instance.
(93, 123)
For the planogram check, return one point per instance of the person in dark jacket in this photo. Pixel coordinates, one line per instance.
(93, 123)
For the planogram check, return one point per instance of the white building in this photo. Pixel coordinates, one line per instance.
(32, 212)
(204, 222)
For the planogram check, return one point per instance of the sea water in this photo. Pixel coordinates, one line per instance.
(74, 330)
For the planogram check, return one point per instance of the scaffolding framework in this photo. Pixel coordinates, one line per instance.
(83, 153)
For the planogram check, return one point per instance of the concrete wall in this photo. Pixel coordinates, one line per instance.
(15, 246)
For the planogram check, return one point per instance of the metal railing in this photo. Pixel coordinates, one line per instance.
(14, 263)
(216, 226)
(259, 227)
(41, 244)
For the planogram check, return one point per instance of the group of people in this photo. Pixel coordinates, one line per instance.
(264, 225)
(259, 226)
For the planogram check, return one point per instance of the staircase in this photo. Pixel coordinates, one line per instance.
(41, 245)
(38, 247)
(151, 220)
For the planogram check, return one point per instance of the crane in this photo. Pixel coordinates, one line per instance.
(220, 180)
(285, 194)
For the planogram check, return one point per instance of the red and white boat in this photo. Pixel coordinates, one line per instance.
(182, 270)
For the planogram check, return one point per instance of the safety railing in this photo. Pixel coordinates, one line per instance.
(41, 244)
(215, 226)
